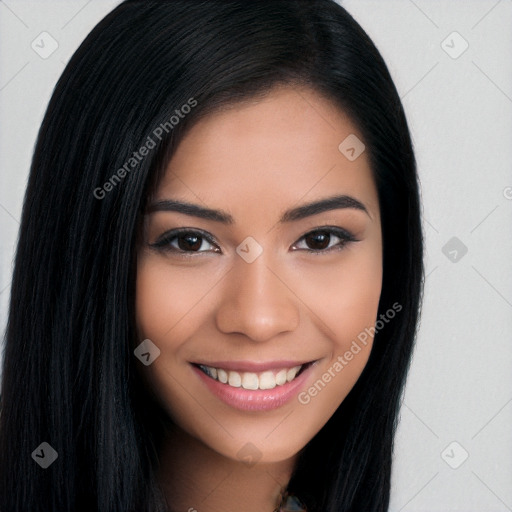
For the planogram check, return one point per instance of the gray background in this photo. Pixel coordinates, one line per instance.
(454, 444)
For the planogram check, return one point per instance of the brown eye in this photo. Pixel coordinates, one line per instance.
(324, 240)
(186, 241)
(189, 242)
(318, 240)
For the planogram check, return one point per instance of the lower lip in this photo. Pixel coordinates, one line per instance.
(255, 400)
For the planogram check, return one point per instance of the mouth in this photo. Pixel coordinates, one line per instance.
(254, 386)
(267, 379)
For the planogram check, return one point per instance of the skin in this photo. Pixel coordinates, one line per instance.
(254, 161)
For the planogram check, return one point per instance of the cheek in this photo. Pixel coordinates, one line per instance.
(168, 300)
(344, 294)
(171, 306)
(345, 299)
(164, 304)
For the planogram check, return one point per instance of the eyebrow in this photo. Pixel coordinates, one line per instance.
(294, 214)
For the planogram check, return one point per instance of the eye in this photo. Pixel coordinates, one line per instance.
(185, 240)
(324, 239)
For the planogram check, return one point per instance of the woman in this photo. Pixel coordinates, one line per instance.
(219, 268)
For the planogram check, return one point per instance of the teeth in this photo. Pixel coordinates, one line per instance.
(290, 374)
(250, 380)
(222, 376)
(235, 379)
(281, 377)
(267, 380)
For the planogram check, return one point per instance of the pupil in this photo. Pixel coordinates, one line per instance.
(190, 242)
(319, 240)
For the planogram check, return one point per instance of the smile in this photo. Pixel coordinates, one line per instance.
(254, 386)
(249, 380)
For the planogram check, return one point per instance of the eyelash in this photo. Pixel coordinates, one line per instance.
(164, 242)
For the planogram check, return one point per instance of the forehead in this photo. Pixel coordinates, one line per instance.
(269, 152)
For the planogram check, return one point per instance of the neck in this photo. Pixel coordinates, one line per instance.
(195, 478)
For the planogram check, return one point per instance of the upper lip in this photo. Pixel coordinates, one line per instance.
(250, 366)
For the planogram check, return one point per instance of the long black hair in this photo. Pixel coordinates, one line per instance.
(69, 373)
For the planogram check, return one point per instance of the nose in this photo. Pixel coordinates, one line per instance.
(257, 302)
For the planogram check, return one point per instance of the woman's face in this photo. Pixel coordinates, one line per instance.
(267, 284)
